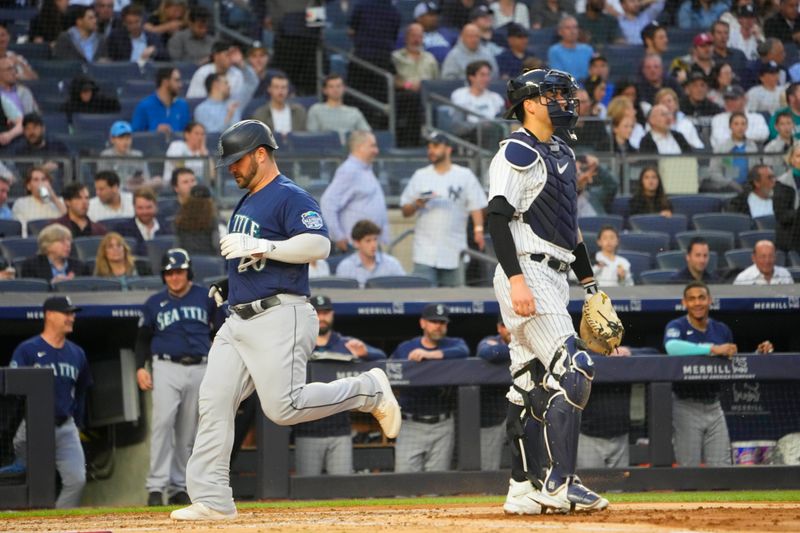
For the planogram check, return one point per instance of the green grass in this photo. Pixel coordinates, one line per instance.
(640, 497)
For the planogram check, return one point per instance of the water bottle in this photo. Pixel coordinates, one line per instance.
(44, 193)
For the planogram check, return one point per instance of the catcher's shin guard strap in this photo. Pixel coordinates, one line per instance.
(515, 432)
(562, 424)
(577, 380)
(582, 266)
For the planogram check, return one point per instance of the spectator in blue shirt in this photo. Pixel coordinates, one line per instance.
(325, 444)
(367, 262)
(636, 15)
(425, 442)
(700, 14)
(494, 406)
(510, 60)
(219, 110)
(163, 110)
(569, 55)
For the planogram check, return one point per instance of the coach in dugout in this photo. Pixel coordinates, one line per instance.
(700, 433)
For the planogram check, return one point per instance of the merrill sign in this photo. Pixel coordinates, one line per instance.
(736, 368)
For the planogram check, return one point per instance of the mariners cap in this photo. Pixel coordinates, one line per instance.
(120, 128)
(436, 312)
(423, 8)
(60, 304)
(321, 303)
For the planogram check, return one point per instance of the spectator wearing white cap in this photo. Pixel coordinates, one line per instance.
(123, 158)
(745, 39)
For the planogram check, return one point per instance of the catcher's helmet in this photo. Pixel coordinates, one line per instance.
(242, 138)
(549, 84)
(176, 259)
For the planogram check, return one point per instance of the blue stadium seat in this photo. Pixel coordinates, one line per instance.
(35, 226)
(718, 241)
(137, 88)
(694, 204)
(151, 143)
(640, 261)
(795, 272)
(596, 222)
(623, 60)
(676, 260)
(85, 122)
(739, 259)
(30, 51)
(657, 277)
(672, 225)
(88, 284)
(85, 142)
(24, 285)
(794, 258)
(157, 247)
(127, 105)
(651, 242)
(57, 69)
(333, 283)
(86, 247)
(748, 239)
(206, 266)
(590, 240)
(18, 247)
(327, 142)
(10, 14)
(441, 87)
(56, 124)
(112, 224)
(621, 205)
(50, 103)
(766, 222)
(118, 70)
(338, 37)
(252, 105)
(733, 222)
(10, 228)
(211, 142)
(385, 140)
(398, 282)
(146, 283)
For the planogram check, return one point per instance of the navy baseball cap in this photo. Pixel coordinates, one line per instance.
(732, 91)
(60, 304)
(438, 138)
(516, 30)
(746, 10)
(769, 67)
(437, 312)
(423, 8)
(321, 303)
(480, 11)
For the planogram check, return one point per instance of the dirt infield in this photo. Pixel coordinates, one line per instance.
(622, 517)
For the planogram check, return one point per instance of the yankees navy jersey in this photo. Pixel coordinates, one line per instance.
(493, 398)
(716, 333)
(338, 424)
(277, 212)
(181, 326)
(70, 369)
(425, 401)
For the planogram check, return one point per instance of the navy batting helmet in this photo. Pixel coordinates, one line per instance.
(549, 84)
(241, 139)
(176, 259)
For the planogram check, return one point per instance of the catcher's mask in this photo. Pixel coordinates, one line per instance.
(558, 90)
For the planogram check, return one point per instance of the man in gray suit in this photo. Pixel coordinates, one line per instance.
(280, 116)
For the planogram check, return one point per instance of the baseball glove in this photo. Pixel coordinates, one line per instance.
(601, 329)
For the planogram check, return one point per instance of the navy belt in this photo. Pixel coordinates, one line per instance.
(251, 309)
(426, 419)
(555, 264)
(185, 360)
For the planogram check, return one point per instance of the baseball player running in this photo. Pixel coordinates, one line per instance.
(274, 232)
(534, 226)
(175, 333)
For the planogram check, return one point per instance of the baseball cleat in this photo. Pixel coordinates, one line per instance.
(553, 495)
(155, 499)
(519, 499)
(387, 413)
(584, 499)
(199, 511)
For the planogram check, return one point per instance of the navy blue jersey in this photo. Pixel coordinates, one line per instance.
(426, 401)
(181, 326)
(70, 368)
(277, 212)
(493, 398)
(339, 424)
(715, 333)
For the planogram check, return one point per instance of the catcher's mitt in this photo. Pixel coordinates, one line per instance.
(601, 329)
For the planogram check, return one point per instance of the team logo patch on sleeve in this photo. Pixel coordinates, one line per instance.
(673, 333)
(311, 220)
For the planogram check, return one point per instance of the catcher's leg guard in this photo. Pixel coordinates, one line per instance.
(528, 456)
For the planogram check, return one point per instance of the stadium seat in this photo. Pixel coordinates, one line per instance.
(718, 241)
(739, 259)
(596, 222)
(112, 224)
(24, 285)
(157, 247)
(88, 284)
(795, 272)
(590, 240)
(333, 282)
(651, 242)
(657, 277)
(40, 51)
(86, 247)
(385, 139)
(398, 282)
(57, 124)
(212, 139)
(748, 239)
(252, 105)
(137, 88)
(10, 228)
(733, 222)
(676, 260)
(117, 70)
(621, 205)
(18, 247)
(623, 59)
(35, 226)
(151, 143)
(146, 283)
(694, 204)
(57, 69)
(443, 88)
(340, 38)
(206, 266)
(334, 260)
(766, 222)
(85, 142)
(794, 258)
(640, 261)
(314, 143)
(672, 225)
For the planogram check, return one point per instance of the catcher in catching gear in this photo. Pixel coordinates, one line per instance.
(534, 225)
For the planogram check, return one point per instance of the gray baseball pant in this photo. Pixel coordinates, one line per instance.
(424, 447)
(335, 454)
(492, 439)
(267, 353)
(70, 461)
(597, 452)
(700, 433)
(176, 389)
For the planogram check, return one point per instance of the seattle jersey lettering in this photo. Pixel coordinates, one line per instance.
(166, 318)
